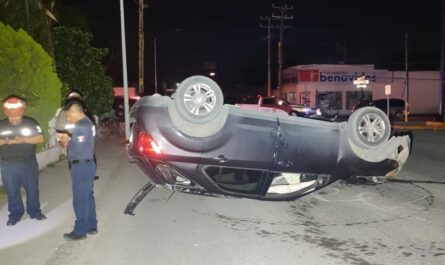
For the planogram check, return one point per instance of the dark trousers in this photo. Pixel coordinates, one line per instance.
(82, 177)
(16, 174)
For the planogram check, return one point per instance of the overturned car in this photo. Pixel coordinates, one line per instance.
(192, 142)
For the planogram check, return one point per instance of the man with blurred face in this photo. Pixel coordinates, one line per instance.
(63, 127)
(80, 153)
(18, 138)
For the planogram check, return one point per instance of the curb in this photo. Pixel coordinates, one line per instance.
(435, 123)
(429, 125)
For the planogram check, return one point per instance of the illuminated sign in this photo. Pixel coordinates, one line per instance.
(315, 75)
(345, 77)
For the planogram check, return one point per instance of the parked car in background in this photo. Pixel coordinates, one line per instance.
(292, 109)
(192, 142)
(396, 107)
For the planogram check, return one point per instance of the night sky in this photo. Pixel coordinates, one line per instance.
(228, 33)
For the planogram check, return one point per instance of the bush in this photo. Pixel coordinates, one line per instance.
(26, 70)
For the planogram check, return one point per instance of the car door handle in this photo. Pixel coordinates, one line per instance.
(221, 159)
(285, 163)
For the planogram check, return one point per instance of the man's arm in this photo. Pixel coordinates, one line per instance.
(36, 139)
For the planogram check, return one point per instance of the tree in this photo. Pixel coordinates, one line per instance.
(26, 70)
(33, 16)
(79, 66)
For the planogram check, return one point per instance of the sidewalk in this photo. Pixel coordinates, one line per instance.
(56, 204)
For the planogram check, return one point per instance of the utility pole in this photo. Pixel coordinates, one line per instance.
(282, 17)
(269, 67)
(442, 65)
(406, 78)
(124, 71)
(340, 52)
(155, 65)
(141, 7)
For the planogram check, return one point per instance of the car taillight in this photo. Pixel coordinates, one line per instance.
(147, 146)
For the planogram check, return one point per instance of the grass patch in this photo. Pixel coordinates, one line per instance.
(2, 190)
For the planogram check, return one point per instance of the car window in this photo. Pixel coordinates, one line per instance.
(235, 179)
(268, 101)
(394, 102)
(397, 103)
(284, 183)
(380, 104)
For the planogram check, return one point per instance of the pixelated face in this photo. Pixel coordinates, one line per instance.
(71, 114)
(15, 120)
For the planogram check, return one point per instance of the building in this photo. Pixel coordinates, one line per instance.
(331, 87)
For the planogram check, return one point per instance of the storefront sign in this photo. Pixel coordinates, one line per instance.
(346, 77)
(315, 75)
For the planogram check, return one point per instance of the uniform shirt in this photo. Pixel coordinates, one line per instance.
(62, 125)
(27, 128)
(81, 145)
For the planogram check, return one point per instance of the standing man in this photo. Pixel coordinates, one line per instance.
(63, 127)
(83, 169)
(18, 138)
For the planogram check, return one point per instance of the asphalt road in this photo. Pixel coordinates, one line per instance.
(391, 223)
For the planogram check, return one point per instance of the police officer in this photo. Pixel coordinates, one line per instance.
(61, 125)
(64, 128)
(83, 169)
(18, 138)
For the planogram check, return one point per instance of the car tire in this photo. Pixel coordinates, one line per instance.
(198, 99)
(294, 113)
(369, 127)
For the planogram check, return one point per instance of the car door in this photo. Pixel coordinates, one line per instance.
(252, 142)
(237, 167)
(307, 146)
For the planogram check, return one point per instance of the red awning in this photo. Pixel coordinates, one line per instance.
(119, 92)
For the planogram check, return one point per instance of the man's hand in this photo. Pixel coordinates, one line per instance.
(16, 140)
(63, 139)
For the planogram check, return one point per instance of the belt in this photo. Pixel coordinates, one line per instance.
(77, 161)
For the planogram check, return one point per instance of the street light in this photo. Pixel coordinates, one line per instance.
(156, 59)
(361, 82)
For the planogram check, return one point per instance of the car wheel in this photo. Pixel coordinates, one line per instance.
(369, 127)
(198, 99)
(294, 113)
